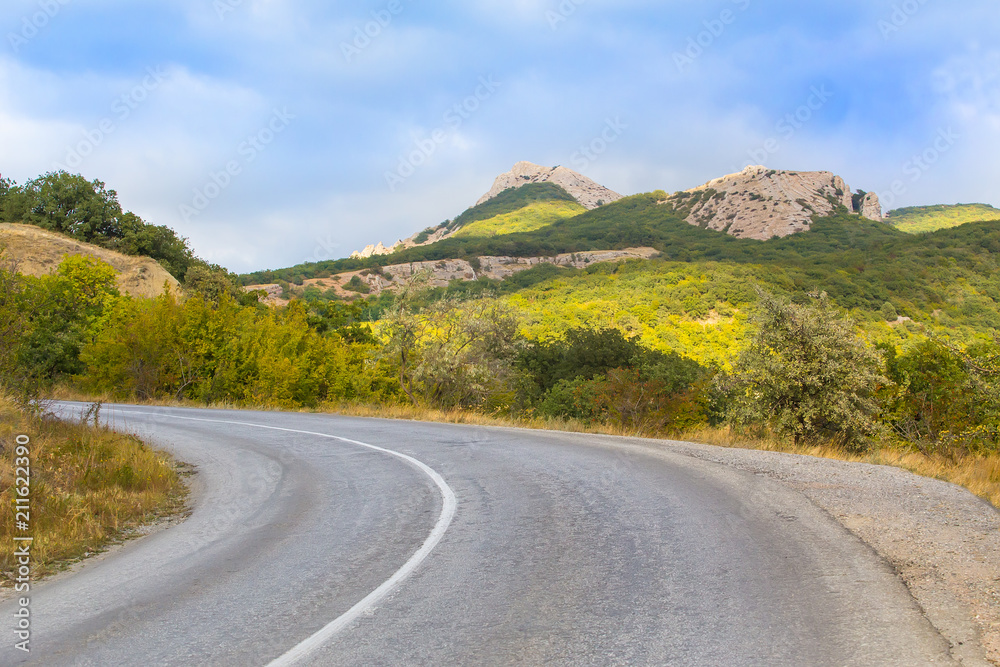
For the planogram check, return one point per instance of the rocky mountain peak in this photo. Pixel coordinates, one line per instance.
(761, 203)
(589, 193)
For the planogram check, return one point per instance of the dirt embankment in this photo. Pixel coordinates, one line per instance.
(37, 252)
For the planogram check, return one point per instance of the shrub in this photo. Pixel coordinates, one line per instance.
(356, 284)
(807, 374)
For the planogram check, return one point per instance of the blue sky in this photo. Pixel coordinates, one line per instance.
(270, 132)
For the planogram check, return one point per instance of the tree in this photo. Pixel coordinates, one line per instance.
(888, 312)
(86, 210)
(68, 204)
(12, 328)
(5, 186)
(58, 312)
(581, 353)
(211, 282)
(453, 354)
(945, 395)
(806, 373)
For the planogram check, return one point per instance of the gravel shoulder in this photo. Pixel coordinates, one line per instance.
(943, 541)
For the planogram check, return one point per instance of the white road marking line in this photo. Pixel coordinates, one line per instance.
(311, 644)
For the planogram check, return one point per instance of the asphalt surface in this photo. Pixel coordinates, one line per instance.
(400, 543)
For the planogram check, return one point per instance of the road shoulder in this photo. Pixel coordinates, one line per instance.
(943, 541)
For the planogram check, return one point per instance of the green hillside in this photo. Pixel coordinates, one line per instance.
(637, 221)
(532, 217)
(691, 298)
(920, 219)
(506, 203)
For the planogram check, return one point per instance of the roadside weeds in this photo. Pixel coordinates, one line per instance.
(90, 488)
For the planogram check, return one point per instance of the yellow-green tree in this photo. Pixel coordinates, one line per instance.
(806, 373)
(453, 353)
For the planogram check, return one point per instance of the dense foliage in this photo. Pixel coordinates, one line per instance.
(920, 219)
(806, 373)
(901, 346)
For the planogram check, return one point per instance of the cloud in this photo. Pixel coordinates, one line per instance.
(358, 117)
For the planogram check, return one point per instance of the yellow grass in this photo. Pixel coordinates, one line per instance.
(528, 219)
(37, 252)
(89, 488)
(979, 473)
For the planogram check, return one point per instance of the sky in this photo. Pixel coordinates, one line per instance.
(274, 132)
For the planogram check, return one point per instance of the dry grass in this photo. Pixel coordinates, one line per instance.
(90, 487)
(38, 252)
(979, 473)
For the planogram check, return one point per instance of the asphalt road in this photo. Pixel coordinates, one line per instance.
(324, 540)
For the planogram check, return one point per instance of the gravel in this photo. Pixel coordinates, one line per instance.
(943, 541)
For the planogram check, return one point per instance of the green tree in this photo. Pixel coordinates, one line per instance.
(5, 187)
(888, 312)
(88, 211)
(581, 353)
(453, 354)
(68, 204)
(806, 373)
(944, 396)
(211, 282)
(58, 314)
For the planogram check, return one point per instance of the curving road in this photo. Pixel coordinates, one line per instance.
(321, 540)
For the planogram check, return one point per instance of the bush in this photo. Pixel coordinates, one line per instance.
(356, 284)
(943, 398)
(888, 312)
(806, 373)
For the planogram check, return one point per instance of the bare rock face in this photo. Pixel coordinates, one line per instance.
(761, 203)
(589, 193)
(440, 273)
(375, 250)
(871, 207)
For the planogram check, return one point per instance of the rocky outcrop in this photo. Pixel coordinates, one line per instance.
(586, 191)
(375, 250)
(761, 203)
(871, 207)
(441, 272)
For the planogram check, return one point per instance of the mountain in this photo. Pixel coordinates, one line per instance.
(36, 252)
(919, 219)
(543, 220)
(588, 193)
(760, 203)
(529, 197)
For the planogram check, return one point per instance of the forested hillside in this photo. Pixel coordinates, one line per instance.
(852, 331)
(920, 219)
(88, 211)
